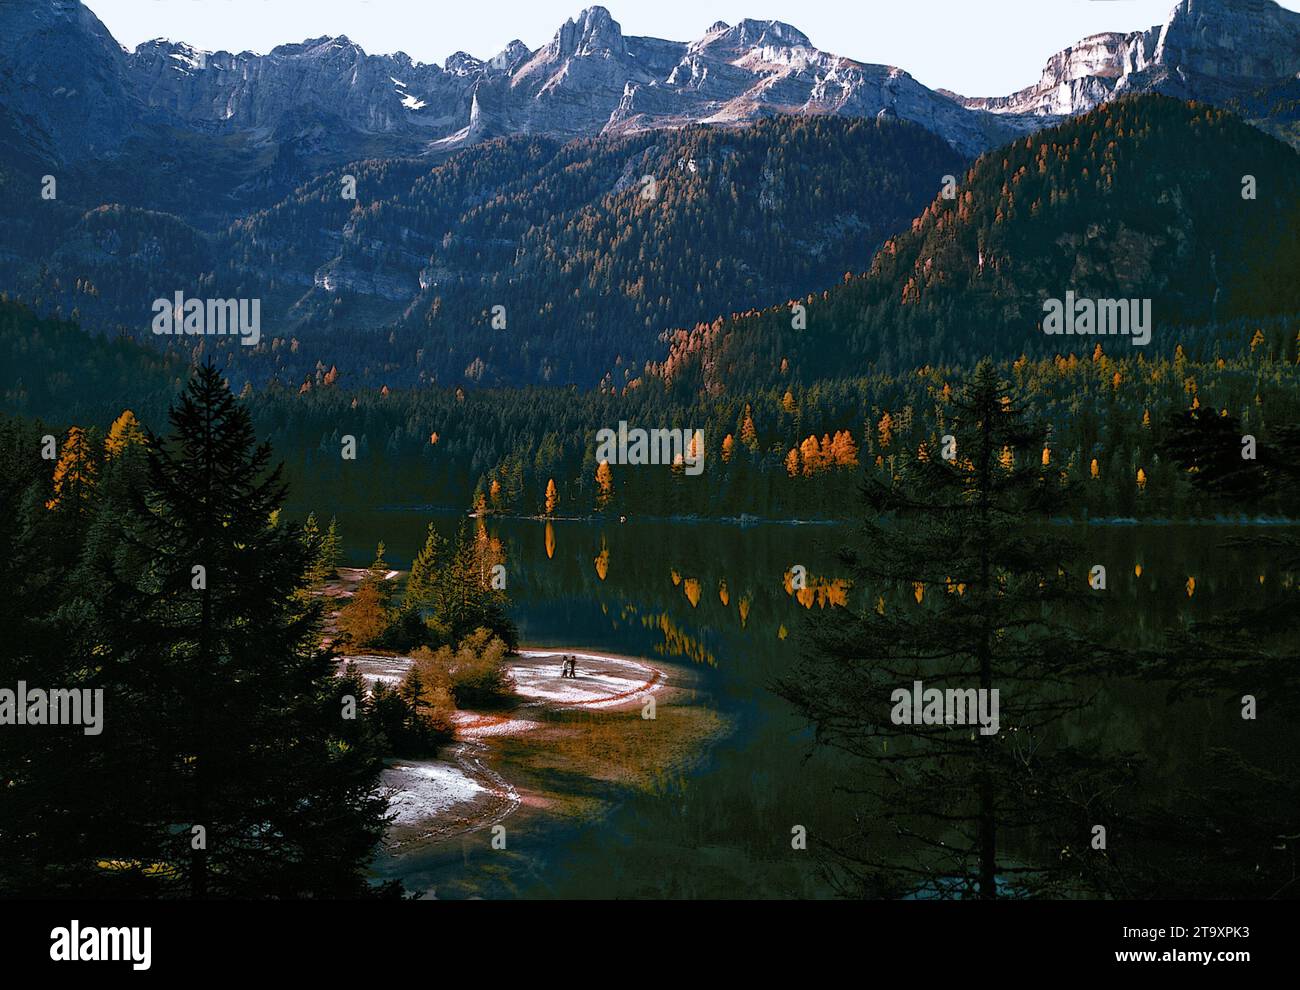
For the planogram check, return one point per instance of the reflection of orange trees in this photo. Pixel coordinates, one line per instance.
(692, 588)
(602, 562)
(677, 643)
(550, 541)
(818, 591)
(677, 577)
(724, 595)
(743, 608)
(488, 553)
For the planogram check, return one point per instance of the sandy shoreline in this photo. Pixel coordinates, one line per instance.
(463, 787)
(619, 726)
(558, 754)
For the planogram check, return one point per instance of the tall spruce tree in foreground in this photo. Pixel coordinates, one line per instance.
(960, 586)
(259, 785)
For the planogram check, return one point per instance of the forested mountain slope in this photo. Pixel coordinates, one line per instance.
(1144, 198)
(591, 249)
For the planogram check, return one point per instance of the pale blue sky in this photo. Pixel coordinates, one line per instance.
(976, 47)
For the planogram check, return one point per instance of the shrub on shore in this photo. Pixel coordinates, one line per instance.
(473, 673)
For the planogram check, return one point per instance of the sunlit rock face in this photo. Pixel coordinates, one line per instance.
(1080, 77)
(71, 93)
(1210, 50)
(590, 79)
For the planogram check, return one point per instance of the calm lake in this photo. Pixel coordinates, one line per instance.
(712, 598)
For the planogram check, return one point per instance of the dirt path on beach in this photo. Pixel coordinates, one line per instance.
(587, 724)
(560, 753)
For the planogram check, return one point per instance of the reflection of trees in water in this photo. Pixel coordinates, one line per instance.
(1001, 616)
(1234, 831)
(951, 812)
(1180, 817)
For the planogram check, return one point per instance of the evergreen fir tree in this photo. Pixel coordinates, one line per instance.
(331, 550)
(960, 590)
(246, 742)
(421, 586)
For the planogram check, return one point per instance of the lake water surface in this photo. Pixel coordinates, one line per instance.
(712, 598)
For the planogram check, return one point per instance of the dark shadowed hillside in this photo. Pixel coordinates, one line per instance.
(592, 249)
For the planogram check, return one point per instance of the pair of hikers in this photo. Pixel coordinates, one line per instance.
(569, 666)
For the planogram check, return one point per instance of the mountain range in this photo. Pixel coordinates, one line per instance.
(274, 120)
(516, 180)
(62, 71)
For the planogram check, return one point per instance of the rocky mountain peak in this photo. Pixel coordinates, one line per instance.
(750, 35)
(462, 63)
(178, 56)
(320, 47)
(755, 33)
(592, 31)
(1213, 50)
(589, 79)
(510, 57)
